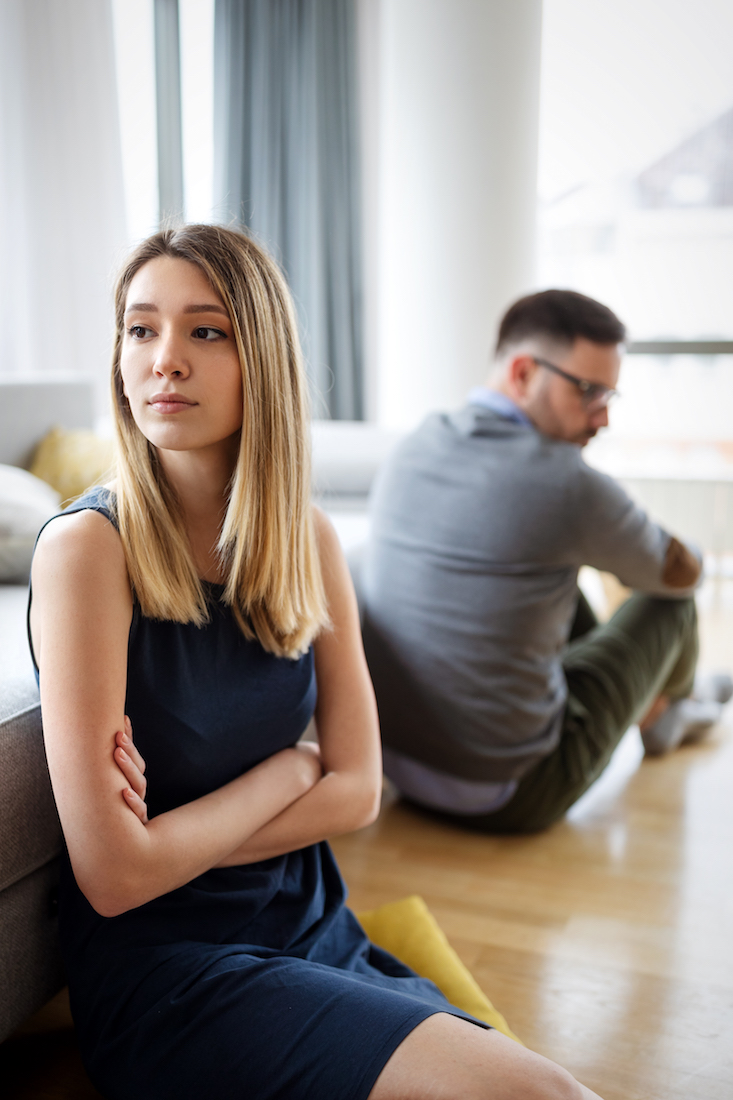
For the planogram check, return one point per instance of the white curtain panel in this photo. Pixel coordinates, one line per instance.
(62, 220)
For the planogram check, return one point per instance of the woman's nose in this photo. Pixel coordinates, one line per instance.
(170, 360)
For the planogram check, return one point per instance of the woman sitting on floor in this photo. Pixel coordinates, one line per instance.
(207, 944)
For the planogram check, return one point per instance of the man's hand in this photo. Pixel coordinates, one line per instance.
(681, 567)
(132, 766)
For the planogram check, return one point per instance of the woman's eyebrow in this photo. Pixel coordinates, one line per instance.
(141, 307)
(210, 308)
(150, 307)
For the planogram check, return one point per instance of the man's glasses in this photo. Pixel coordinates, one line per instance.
(593, 395)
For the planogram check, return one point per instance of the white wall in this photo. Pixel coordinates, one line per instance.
(450, 91)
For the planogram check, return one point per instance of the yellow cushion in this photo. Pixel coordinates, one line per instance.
(408, 930)
(72, 461)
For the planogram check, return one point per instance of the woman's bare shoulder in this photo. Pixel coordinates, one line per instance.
(85, 542)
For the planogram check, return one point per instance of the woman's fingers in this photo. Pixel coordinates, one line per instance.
(136, 804)
(132, 766)
(131, 772)
(126, 742)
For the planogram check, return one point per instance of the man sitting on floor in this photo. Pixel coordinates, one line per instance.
(501, 698)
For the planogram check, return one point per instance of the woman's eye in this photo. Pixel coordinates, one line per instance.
(205, 332)
(138, 332)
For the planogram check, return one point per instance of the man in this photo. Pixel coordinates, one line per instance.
(501, 699)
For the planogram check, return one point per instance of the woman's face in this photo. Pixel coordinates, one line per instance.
(179, 362)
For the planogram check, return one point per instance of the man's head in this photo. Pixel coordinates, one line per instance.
(558, 359)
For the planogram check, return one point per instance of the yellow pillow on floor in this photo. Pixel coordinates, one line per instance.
(408, 930)
(72, 461)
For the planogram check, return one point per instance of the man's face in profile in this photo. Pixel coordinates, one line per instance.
(567, 393)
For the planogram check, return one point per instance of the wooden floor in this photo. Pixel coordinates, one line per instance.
(607, 942)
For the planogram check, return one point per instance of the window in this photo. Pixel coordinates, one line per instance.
(636, 161)
(636, 209)
(134, 25)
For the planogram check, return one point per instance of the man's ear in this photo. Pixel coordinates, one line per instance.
(521, 370)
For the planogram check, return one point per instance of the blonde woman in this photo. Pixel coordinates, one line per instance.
(201, 602)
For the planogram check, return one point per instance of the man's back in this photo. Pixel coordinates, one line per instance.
(479, 527)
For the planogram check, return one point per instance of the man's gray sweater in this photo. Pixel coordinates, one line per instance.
(479, 527)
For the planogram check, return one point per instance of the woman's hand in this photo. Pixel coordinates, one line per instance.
(132, 766)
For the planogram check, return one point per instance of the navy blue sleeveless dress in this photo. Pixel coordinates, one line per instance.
(252, 981)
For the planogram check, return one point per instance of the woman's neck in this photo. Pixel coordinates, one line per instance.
(201, 481)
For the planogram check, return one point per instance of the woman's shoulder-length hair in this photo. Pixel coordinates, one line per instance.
(267, 542)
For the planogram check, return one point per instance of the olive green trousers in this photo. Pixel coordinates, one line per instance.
(614, 672)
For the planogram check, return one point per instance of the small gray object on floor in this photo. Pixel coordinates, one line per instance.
(713, 687)
(684, 721)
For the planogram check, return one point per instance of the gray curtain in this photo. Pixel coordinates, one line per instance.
(285, 149)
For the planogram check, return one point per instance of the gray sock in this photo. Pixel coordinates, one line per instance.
(683, 720)
(713, 687)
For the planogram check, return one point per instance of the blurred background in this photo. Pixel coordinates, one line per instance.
(414, 165)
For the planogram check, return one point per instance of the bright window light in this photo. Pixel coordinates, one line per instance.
(197, 94)
(636, 161)
(135, 57)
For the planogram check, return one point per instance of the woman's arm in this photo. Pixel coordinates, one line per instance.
(347, 797)
(80, 621)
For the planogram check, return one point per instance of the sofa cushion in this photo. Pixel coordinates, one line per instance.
(72, 461)
(15, 656)
(26, 503)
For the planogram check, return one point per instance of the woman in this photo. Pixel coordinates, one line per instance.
(207, 944)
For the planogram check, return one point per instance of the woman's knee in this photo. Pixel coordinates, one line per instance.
(446, 1058)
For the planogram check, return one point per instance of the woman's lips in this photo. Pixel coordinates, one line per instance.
(170, 403)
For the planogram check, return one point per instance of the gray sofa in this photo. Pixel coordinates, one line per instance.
(345, 460)
(30, 836)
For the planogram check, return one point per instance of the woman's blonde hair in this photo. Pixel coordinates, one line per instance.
(267, 542)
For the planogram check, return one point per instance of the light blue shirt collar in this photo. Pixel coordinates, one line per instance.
(500, 404)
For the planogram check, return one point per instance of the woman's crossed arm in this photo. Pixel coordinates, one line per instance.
(347, 795)
(80, 620)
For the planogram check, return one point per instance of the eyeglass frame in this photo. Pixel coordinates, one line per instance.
(603, 394)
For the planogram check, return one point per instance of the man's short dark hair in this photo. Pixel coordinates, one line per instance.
(561, 316)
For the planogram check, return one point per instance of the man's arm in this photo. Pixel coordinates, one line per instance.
(615, 535)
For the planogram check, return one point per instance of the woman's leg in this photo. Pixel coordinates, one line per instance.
(446, 1058)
